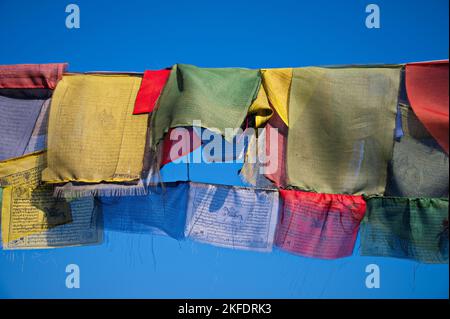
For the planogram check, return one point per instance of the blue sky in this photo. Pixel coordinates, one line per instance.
(137, 35)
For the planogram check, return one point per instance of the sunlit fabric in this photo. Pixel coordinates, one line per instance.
(17, 122)
(92, 134)
(341, 128)
(412, 228)
(161, 211)
(260, 108)
(232, 217)
(30, 76)
(277, 83)
(219, 98)
(28, 207)
(151, 86)
(319, 225)
(427, 88)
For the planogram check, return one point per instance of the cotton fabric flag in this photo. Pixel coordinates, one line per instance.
(161, 211)
(427, 89)
(419, 166)
(28, 207)
(17, 121)
(151, 86)
(412, 228)
(38, 139)
(341, 128)
(31, 76)
(219, 98)
(319, 225)
(277, 84)
(92, 134)
(232, 217)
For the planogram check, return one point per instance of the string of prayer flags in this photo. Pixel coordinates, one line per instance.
(151, 86)
(412, 228)
(92, 134)
(319, 225)
(215, 98)
(427, 89)
(341, 127)
(31, 76)
(232, 217)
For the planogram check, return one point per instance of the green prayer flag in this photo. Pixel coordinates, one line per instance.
(218, 97)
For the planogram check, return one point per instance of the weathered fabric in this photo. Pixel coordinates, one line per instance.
(412, 228)
(319, 225)
(30, 76)
(28, 207)
(219, 98)
(232, 217)
(17, 121)
(341, 128)
(92, 134)
(151, 86)
(419, 166)
(38, 139)
(427, 88)
(161, 211)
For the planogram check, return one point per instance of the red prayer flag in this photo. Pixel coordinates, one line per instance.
(319, 225)
(151, 87)
(31, 76)
(427, 89)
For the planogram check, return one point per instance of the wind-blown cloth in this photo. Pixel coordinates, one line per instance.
(161, 211)
(341, 128)
(319, 225)
(427, 88)
(18, 119)
(412, 228)
(93, 135)
(232, 217)
(219, 98)
(31, 76)
(151, 87)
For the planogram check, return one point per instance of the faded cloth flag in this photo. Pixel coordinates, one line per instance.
(219, 98)
(28, 207)
(17, 122)
(151, 87)
(419, 166)
(319, 225)
(412, 228)
(232, 217)
(93, 135)
(341, 128)
(31, 76)
(161, 211)
(427, 89)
